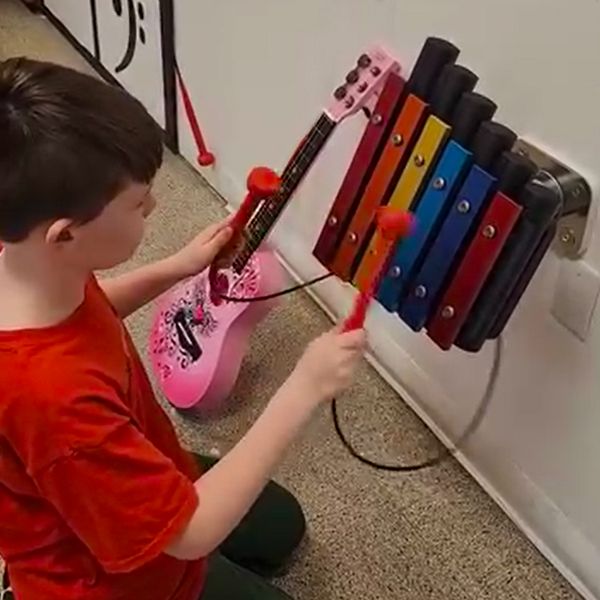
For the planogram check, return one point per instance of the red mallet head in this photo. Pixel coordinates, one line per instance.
(263, 181)
(205, 159)
(394, 223)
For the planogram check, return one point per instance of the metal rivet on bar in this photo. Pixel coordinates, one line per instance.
(439, 183)
(448, 312)
(463, 206)
(420, 291)
(489, 231)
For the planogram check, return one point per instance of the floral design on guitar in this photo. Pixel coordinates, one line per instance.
(194, 310)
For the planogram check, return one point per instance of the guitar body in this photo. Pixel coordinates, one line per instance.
(202, 375)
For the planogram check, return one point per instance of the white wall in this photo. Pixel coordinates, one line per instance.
(259, 72)
(77, 18)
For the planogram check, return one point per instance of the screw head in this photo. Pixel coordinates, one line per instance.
(397, 139)
(420, 291)
(463, 206)
(353, 237)
(489, 231)
(395, 272)
(375, 71)
(439, 183)
(448, 312)
(377, 119)
(332, 221)
(419, 160)
(567, 236)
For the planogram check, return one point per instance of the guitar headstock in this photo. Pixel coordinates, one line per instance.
(363, 82)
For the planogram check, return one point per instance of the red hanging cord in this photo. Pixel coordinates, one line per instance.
(205, 158)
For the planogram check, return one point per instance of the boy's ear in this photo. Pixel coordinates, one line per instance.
(59, 231)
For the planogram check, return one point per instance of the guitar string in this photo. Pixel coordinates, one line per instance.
(447, 452)
(307, 151)
(263, 217)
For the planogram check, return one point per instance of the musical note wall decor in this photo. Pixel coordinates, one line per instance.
(135, 11)
(130, 42)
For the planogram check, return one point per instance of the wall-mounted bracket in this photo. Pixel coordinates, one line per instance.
(576, 196)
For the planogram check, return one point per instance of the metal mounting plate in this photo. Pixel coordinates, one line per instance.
(575, 193)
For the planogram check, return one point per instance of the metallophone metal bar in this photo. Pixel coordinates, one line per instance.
(487, 207)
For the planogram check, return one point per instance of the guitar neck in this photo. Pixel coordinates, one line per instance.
(292, 176)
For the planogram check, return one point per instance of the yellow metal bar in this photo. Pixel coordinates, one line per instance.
(432, 139)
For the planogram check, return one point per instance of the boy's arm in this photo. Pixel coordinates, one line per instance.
(228, 490)
(130, 291)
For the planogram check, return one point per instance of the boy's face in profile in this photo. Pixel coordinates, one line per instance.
(112, 237)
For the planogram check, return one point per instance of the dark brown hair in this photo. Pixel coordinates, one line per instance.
(68, 144)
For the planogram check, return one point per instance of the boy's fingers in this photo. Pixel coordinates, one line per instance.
(212, 230)
(220, 238)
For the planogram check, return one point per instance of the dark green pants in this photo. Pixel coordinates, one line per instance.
(260, 547)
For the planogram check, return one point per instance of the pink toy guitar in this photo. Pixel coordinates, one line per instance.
(198, 339)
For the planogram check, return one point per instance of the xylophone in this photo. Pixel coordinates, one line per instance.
(484, 216)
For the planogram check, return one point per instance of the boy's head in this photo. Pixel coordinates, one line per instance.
(77, 160)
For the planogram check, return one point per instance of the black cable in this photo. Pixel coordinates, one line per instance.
(446, 453)
(294, 288)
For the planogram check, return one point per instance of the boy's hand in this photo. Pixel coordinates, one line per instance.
(329, 363)
(202, 250)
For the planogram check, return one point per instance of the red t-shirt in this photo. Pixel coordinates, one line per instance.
(93, 482)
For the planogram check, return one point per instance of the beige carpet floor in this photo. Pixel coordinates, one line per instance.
(372, 536)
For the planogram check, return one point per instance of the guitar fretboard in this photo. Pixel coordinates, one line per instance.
(294, 172)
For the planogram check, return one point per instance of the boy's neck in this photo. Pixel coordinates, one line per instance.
(36, 292)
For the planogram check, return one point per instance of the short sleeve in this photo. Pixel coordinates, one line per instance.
(124, 499)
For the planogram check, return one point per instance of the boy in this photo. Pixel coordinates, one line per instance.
(97, 498)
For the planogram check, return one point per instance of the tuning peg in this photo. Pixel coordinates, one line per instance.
(352, 77)
(340, 93)
(364, 61)
(375, 71)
